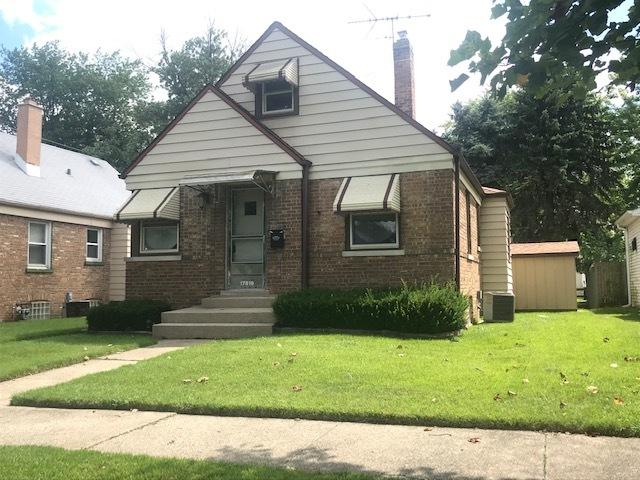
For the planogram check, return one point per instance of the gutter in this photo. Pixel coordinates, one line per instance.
(456, 181)
(305, 227)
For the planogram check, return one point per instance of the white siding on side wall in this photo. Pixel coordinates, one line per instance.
(119, 250)
(495, 262)
(211, 138)
(633, 231)
(340, 128)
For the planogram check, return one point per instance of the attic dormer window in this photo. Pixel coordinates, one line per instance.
(277, 97)
(275, 85)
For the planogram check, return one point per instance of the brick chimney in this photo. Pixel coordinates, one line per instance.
(29, 136)
(403, 74)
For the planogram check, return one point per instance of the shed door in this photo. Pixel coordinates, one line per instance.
(246, 239)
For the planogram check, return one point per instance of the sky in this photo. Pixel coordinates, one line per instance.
(134, 27)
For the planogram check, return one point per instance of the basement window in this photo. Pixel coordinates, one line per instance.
(94, 245)
(39, 249)
(159, 238)
(373, 231)
(40, 310)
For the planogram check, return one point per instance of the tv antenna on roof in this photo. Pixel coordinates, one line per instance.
(375, 19)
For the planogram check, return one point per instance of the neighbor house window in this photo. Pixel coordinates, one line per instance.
(39, 253)
(278, 96)
(634, 244)
(94, 245)
(373, 230)
(159, 238)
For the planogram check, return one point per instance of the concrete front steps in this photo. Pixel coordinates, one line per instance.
(232, 314)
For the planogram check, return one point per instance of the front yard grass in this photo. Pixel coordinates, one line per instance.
(27, 329)
(574, 371)
(46, 463)
(36, 345)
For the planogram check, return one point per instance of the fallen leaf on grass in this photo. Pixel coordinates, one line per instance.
(85, 348)
(564, 378)
(474, 440)
(585, 374)
(605, 339)
(525, 380)
(290, 359)
(563, 405)
(512, 393)
(187, 380)
(427, 429)
(279, 345)
(402, 355)
(618, 401)
(434, 399)
(293, 354)
(592, 389)
(86, 358)
(110, 345)
(276, 364)
(614, 365)
(296, 388)
(628, 358)
(497, 397)
(203, 380)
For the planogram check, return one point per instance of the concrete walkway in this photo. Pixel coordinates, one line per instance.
(434, 453)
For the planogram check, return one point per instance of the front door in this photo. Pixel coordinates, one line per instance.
(246, 239)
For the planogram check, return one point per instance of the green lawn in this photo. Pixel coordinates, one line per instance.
(551, 371)
(24, 330)
(45, 463)
(36, 345)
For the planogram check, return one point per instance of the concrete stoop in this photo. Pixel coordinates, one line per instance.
(232, 314)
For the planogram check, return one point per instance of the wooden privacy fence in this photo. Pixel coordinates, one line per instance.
(606, 284)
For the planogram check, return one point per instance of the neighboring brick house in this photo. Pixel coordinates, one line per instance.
(57, 233)
(291, 173)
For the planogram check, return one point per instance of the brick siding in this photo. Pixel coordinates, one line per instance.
(69, 272)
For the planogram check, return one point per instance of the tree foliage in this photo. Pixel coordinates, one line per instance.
(545, 37)
(102, 104)
(559, 156)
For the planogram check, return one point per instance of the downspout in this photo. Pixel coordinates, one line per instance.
(626, 257)
(305, 226)
(456, 182)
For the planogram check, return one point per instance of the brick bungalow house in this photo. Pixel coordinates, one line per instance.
(292, 173)
(57, 233)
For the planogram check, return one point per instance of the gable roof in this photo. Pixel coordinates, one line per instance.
(294, 154)
(545, 248)
(358, 83)
(92, 188)
(628, 217)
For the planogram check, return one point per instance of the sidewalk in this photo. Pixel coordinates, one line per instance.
(451, 453)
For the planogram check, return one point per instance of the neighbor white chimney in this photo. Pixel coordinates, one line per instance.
(403, 74)
(29, 137)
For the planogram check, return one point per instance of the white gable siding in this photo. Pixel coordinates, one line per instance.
(495, 267)
(340, 128)
(633, 231)
(211, 138)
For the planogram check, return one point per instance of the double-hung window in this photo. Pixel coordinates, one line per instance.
(159, 238)
(278, 96)
(373, 230)
(39, 249)
(94, 245)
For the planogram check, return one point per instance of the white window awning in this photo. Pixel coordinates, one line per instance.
(151, 203)
(261, 178)
(376, 192)
(286, 70)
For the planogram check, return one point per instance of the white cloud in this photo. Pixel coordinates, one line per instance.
(134, 28)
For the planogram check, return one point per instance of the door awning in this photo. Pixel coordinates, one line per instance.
(151, 203)
(286, 70)
(261, 178)
(376, 192)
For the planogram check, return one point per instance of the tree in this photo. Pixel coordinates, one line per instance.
(91, 103)
(201, 60)
(556, 156)
(545, 37)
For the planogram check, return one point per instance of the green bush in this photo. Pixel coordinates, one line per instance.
(129, 315)
(431, 308)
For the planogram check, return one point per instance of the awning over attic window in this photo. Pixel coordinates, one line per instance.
(376, 192)
(286, 70)
(152, 203)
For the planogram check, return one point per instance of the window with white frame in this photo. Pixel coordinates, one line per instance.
(94, 245)
(159, 238)
(40, 310)
(39, 249)
(278, 96)
(373, 231)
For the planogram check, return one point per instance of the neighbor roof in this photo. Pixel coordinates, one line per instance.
(546, 248)
(92, 188)
(628, 217)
